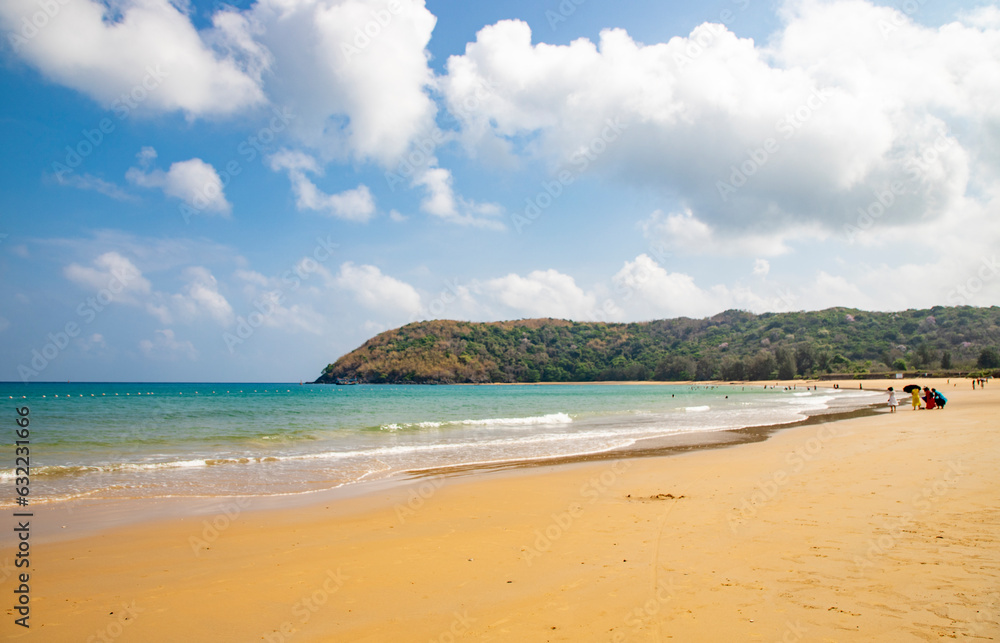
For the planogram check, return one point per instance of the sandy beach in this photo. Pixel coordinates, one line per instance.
(867, 529)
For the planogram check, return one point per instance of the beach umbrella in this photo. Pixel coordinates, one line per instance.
(910, 387)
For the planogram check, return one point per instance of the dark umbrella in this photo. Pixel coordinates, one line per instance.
(909, 388)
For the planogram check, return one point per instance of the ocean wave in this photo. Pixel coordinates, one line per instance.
(697, 409)
(814, 401)
(550, 418)
(55, 471)
(371, 454)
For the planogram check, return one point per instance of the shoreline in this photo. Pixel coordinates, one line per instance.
(866, 528)
(661, 446)
(103, 514)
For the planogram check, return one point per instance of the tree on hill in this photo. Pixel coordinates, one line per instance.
(733, 345)
(989, 358)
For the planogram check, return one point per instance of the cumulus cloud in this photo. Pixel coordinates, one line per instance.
(113, 274)
(684, 233)
(543, 293)
(354, 72)
(116, 278)
(442, 202)
(648, 291)
(795, 135)
(378, 291)
(135, 54)
(199, 298)
(835, 288)
(987, 17)
(202, 296)
(194, 182)
(352, 205)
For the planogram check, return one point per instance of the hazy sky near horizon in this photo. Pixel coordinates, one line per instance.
(202, 191)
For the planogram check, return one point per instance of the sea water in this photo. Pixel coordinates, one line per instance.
(126, 440)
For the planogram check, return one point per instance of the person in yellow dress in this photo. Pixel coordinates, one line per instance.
(916, 399)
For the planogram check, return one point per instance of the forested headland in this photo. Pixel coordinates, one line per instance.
(734, 345)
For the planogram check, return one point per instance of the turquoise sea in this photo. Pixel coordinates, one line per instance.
(118, 440)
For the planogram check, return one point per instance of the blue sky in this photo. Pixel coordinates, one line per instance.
(200, 191)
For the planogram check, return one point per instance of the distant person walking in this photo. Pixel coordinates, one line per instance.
(916, 399)
(892, 401)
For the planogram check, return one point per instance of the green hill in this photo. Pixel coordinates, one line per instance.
(733, 345)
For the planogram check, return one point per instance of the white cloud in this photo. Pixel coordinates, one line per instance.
(116, 279)
(805, 130)
(648, 291)
(454, 301)
(199, 298)
(141, 54)
(543, 293)
(194, 182)
(378, 291)
(203, 294)
(649, 287)
(442, 202)
(354, 72)
(761, 267)
(831, 288)
(352, 205)
(987, 17)
(165, 345)
(683, 233)
(112, 274)
(294, 161)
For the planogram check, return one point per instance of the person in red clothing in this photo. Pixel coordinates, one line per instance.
(929, 398)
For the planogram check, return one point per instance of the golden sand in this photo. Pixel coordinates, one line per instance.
(882, 528)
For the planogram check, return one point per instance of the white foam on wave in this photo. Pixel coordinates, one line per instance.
(815, 401)
(118, 467)
(550, 418)
(697, 409)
